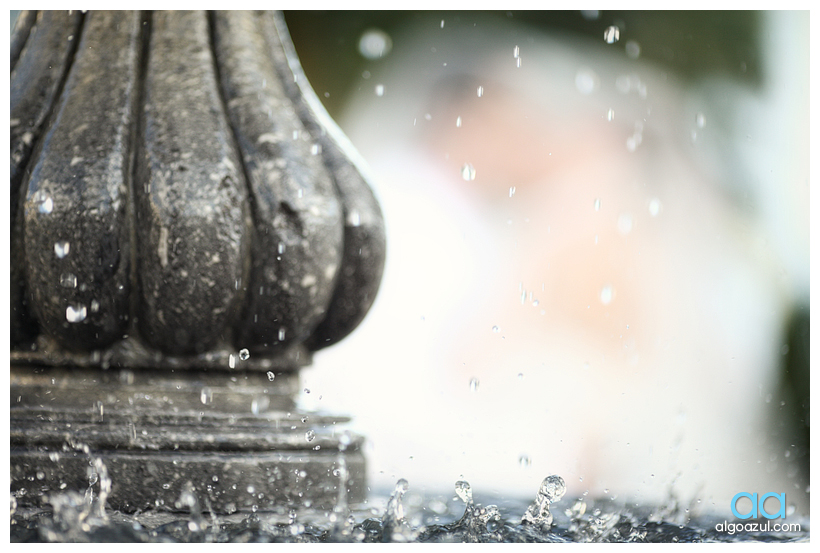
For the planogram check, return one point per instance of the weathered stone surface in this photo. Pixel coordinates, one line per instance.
(189, 198)
(192, 214)
(77, 240)
(297, 245)
(240, 442)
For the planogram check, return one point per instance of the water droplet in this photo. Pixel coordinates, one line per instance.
(244, 354)
(375, 44)
(631, 144)
(468, 172)
(655, 207)
(512, 191)
(442, 23)
(304, 419)
(524, 460)
(612, 34)
(480, 91)
(231, 361)
(316, 149)
(590, 15)
(61, 249)
(271, 376)
(281, 334)
(281, 248)
(75, 313)
(552, 489)
(354, 219)
(95, 306)
(464, 491)
(610, 114)
(597, 204)
(310, 435)
(633, 49)
(518, 62)
(700, 119)
(586, 80)
(496, 329)
(625, 223)
(515, 52)
(206, 395)
(68, 280)
(473, 384)
(46, 204)
(458, 121)
(607, 294)
(307, 390)
(379, 90)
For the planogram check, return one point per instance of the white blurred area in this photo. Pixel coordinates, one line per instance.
(602, 301)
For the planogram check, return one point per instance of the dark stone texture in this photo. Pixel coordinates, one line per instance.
(191, 199)
(207, 201)
(240, 440)
(76, 227)
(297, 244)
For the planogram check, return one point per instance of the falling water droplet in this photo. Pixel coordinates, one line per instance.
(700, 119)
(316, 149)
(512, 191)
(271, 376)
(610, 114)
(281, 248)
(95, 306)
(68, 280)
(655, 207)
(612, 34)
(464, 491)
(442, 23)
(206, 396)
(496, 329)
(597, 204)
(310, 435)
(244, 354)
(607, 294)
(61, 249)
(231, 361)
(75, 313)
(480, 91)
(515, 52)
(281, 334)
(379, 90)
(468, 172)
(473, 384)
(524, 460)
(458, 121)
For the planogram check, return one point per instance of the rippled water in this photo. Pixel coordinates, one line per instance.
(401, 516)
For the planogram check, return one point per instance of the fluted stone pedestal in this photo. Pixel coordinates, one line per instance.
(187, 227)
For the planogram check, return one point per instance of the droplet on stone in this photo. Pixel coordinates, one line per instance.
(206, 396)
(61, 249)
(310, 435)
(281, 334)
(68, 280)
(75, 313)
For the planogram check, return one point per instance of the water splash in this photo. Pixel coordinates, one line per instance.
(538, 513)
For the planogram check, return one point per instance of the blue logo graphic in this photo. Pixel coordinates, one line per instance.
(758, 507)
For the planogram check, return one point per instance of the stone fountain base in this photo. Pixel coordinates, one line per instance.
(142, 440)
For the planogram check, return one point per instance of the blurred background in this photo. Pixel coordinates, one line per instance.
(598, 249)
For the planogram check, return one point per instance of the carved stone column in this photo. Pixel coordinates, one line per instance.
(187, 226)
